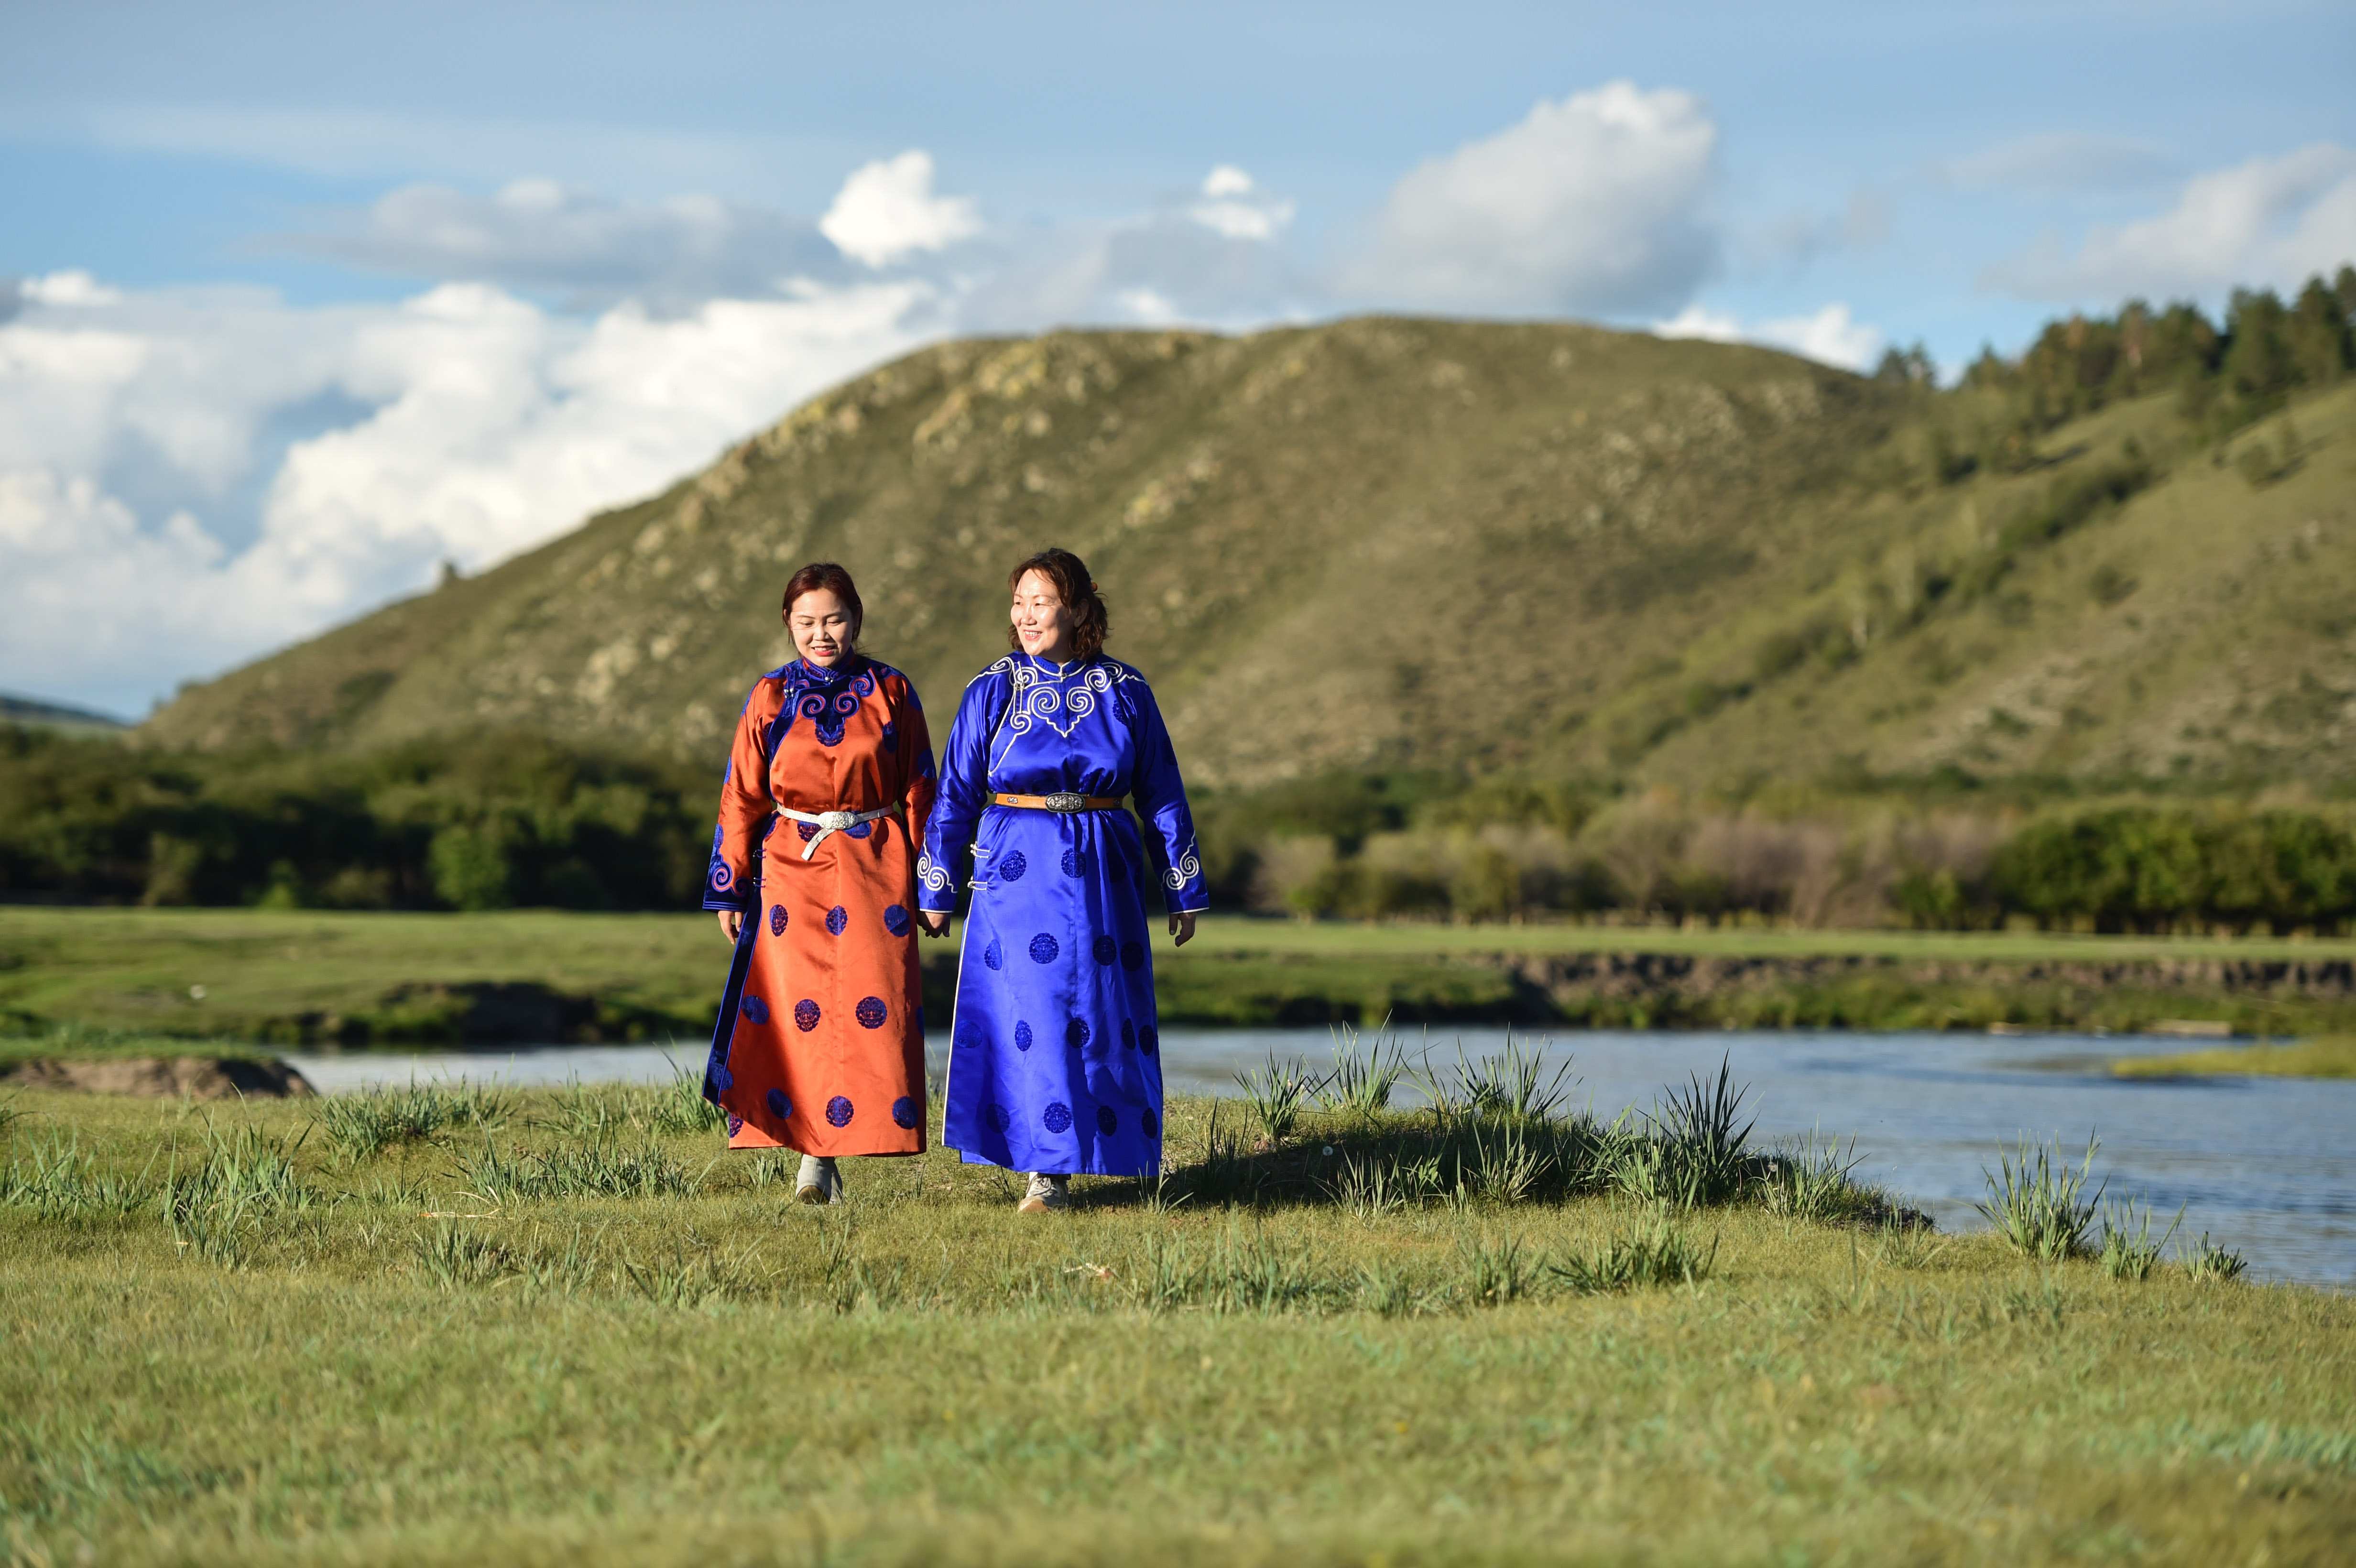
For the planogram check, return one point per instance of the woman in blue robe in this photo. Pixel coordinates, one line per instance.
(1054, 1061)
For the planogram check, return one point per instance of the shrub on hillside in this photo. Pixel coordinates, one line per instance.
(2148, 868)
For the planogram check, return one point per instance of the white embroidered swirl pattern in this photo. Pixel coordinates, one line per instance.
(1189, 867)
(1035, 697)
(935, 879)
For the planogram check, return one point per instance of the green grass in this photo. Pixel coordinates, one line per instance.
(227, 1342)
(2331, 1057)
(542, 976)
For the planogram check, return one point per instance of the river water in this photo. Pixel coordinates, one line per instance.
(2265, 1165)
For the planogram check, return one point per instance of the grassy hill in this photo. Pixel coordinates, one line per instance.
(1420, 544)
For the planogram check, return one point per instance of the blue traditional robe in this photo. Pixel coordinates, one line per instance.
(1054, 1048)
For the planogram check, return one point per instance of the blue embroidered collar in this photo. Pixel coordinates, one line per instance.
(813, 674)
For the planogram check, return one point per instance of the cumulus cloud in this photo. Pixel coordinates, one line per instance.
(1592, 204)
(2271, 220)
(1830, 335)
(481, 425)
(536, 233)
(1236, 209)
(887, 211)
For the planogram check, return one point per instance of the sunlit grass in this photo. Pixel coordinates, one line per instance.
(495, 1345)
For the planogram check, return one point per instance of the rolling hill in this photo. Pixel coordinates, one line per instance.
(1411, 543)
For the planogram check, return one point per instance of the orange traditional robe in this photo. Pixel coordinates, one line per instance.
(820, 1045)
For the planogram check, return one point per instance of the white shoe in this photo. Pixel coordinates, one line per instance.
(1045, 1195)
(819, 1183)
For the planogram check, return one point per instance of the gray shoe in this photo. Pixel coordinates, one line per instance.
(1046, 1194)
(819, 1183)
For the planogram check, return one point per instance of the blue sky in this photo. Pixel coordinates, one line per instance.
(309, 298)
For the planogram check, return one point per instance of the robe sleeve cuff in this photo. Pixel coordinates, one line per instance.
(937, 890)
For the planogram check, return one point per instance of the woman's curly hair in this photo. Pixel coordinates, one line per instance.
(1077, 589)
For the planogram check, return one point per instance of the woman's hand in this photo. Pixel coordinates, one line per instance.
(732, 921)
(1182, 927)
(935, 922)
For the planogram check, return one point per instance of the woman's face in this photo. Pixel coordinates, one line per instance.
(820, 627)
(1040, 621)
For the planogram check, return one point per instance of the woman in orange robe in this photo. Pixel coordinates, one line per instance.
(820, 1045)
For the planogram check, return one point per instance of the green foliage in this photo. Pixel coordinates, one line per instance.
(364, 1125)
(2148, 868)
(482, 821)
(2209, 1263)
(1660, 1255)
(2129, 1252)
(2040, 1206)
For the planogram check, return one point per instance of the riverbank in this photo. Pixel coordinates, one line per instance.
(2331, 1057)
(493, 1342)
(540, 977)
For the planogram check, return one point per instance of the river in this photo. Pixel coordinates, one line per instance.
(2265, 1165)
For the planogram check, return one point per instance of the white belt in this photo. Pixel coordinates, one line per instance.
(831, 822)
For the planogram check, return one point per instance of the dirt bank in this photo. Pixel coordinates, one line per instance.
(160, 1077)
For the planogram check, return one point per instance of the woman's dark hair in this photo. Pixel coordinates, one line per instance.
(1077, 589)
(825, 574)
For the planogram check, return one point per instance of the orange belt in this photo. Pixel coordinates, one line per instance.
(1065, 803)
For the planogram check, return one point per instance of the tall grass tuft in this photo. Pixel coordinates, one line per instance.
(1812, 1178)
(1708, 1153)
(1277, 1095)
(245, 1180)
(2128, 1252)
(1513, 1082)
(1498, 1273)
(453, 1257)
(2210, 1264)
(364, 1125)
(1361, 1085)
(2040, 1205)
(681, 1107)
(58, 1180)
(601, 1169)
(1664, 1255)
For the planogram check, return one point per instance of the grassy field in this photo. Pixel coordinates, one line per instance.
(569, 1327)
(2331, 1057)
(538, 975)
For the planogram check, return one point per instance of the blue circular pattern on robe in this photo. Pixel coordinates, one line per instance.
(1106, 949)
(735, 1123)
(808, 830)
(992, 955)
(860, 829)
(1075, 1034)
(722, 1079)
(1058, 1117)
(1129, 1033)
(903, 1112)
(1132, 955)
(1108, 1120)
(890, 736)
(754, 1009)
(1010, 868)
(779, 1106)
(1149, 1039)
(999, 1117)
(895, 919)
(838, 1112)
(806, 1015)
(1151, 1124)
(836, 919)
(1079, 862)
(1022, 1035)
(872, 1012)
(776, 920)
(1043, 949)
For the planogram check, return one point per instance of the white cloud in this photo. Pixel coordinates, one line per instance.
(886, 210)
(538, 233)
(1592, 204)
(484, 425)
(2269, 222)
(1830, 335)
(1236, 209)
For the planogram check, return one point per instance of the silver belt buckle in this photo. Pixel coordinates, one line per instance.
(1067, 801)
(837, 821)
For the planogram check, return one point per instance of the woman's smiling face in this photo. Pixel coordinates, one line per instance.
(1040, 621)
(820, 626)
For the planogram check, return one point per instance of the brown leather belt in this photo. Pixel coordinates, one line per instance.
(1064, 802)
